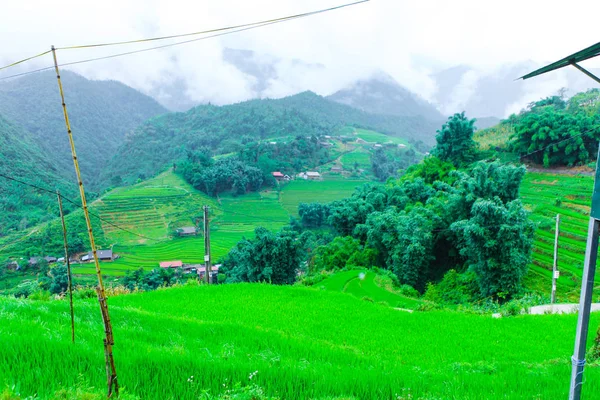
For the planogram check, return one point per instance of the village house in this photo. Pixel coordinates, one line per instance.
(171, 264)
(310, 175)
(336, 168)
(50, 259)
(187, 231)
(103, 255)
(13, 265)
(278, 175)
(361, 141)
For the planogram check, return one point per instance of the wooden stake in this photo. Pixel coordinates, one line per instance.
(207, 267)
(111, 373)
(69, 278)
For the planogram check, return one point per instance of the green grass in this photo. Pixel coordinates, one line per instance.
(303, 343)
(305, 191)
(368, 285)
(545, 195)
(360, 156)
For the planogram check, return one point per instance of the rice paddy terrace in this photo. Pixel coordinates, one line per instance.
(152, 210)
(546, 195)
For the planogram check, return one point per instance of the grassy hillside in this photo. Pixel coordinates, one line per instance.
(282, 339)
(22, 158)
(155, 208)
(160, 142)
(101, 114)
(548, 194)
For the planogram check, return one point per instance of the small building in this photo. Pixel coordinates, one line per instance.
(50, 259)
(278, 175)
(214, 271)
(313, 175)
(377, 146)
(103, 255)
(187, 231)
(326, 144)
(336, 168)
(13, 265)
(33, 261)
(171, 264)
(401, 146)
(361, 141)
(272, 143)
(60, 260)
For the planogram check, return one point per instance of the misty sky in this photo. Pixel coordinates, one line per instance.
(409, 40)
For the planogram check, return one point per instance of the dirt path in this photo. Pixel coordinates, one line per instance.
(560, 309)
(562, 171)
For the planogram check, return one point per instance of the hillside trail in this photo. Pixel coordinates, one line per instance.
(562, 170)
(570, 308)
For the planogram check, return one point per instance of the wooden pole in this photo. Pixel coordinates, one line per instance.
(207, 267)
(111, 373)
(555, 265)
(69, 277)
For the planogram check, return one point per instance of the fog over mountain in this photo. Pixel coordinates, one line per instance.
(461, 55)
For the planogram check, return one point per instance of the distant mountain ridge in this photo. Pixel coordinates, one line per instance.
(381, 94)
(101, 114)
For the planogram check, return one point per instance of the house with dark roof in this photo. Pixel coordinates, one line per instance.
(103, 255)
(50, 259)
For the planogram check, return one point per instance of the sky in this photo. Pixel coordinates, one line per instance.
(409, 40)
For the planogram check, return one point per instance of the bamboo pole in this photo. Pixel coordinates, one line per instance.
(111, 373)
(69, 277)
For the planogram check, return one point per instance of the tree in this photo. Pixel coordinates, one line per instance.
(268, 257)
(60, 280)
(497, 242)
(343, 252)
(313, 215)
(455, 142)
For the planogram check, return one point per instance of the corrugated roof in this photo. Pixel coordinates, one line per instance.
(582, 55)
(171, 264)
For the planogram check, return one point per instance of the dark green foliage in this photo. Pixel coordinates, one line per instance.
(313, 215)
(151, 280)
(387, 163)
(101, 114)
(224, 175)
(430, 170)
(269, 257)
(419, 229)
(167, 139)
(554, 132)
(60, 279)
(497, 242)
(455, 142)
(455, 288)
(343, 252)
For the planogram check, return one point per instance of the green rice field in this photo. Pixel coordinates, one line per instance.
(546, 195)
(292, 342)
(367, 285)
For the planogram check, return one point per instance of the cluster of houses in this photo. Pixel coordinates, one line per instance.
(103, 255)
(199, 269)
(308, 175)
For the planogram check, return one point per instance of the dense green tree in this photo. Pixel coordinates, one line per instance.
(268, 257)
(343, 252)
(313, 215)
(497, 242)
(60, 279)
(455, 142)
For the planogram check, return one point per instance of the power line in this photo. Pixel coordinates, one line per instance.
(229, 30)
(24, 60)
(274, 20)
(76, 204)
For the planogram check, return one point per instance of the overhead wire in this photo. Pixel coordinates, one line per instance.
(76, 204)
(223, 31)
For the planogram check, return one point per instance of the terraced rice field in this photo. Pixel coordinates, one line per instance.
(365, 284)
(376, 137)
(546, 195)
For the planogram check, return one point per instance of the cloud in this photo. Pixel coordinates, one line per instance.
(408, 40)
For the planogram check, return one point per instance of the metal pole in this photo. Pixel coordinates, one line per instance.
(68, 262)
(555, 265)
(585, 305)
(111, 374)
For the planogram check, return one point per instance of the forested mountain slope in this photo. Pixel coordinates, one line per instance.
(22, 158)
(166, 139)
(101, 114)
(383, 95)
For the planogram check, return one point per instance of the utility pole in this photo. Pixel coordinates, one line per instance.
(69, 278)
(111, 373)
(207, 267)
(555, 265)
(587, 288)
